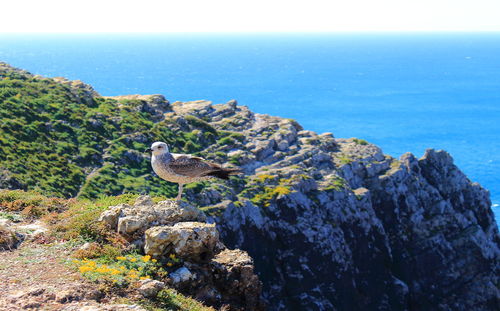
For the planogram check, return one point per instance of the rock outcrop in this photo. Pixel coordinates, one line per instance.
(334, 224)
(204, 268)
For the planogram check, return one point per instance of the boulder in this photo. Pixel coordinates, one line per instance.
(130, 224)
(181, 275)
(150, 288)
(194, 241)
(111, 215)
(127, 219)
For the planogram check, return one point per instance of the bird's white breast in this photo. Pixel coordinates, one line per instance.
(161, 167)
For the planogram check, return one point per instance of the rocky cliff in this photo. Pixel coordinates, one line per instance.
(331, 224)
(334, 224)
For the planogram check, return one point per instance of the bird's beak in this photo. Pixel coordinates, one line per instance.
(148, 150)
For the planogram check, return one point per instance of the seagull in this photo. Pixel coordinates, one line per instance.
(184, 168)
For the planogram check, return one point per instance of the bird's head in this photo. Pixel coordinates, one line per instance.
(158, 148)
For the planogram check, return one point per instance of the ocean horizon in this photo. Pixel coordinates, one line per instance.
(402, 92)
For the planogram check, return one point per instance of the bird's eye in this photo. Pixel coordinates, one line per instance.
(159, 147)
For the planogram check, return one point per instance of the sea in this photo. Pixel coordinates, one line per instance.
(405, 92)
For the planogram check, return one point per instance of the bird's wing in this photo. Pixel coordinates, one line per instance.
(185, 157)
(188, 165)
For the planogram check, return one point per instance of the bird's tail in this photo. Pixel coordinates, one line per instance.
(224, 173)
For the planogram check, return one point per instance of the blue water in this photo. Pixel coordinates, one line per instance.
(402, 92)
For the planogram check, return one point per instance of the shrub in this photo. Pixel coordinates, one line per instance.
(344, 159)
(360, 141)
(226, 141)
(122, 271)
(31, 204)
(336, 183)
(199, 123)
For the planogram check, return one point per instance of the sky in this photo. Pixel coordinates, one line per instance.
(249, 15)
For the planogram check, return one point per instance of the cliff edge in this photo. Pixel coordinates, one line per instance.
(331, 224)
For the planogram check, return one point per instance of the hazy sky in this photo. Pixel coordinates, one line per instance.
(248, 16)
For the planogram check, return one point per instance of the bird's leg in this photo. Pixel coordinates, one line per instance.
(179, 195)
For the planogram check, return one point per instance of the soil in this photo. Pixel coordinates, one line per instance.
(37, 276)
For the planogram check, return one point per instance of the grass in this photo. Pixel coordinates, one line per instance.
(170, 299)
(360, 141)
(51, 141)
(201, 124)
(265, 197)
(336, 183)
(226, 141)
(213, 210)
(264, 177)
(344, 160)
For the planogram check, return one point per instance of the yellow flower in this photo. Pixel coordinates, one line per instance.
(143, 278)
(169, 264)
(172, 256)
(84, 269)
(75, 261)
(121, 258)
(101, 270)
(154, 260)
(146, 258)
(90, 263)
(133, 259)
(133, 276)
(115, 271)
(122, 268)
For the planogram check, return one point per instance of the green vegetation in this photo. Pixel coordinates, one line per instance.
(120, 270)
(201, 124)
(360, 141)
(235, 159)
(395, 164)
(58, 142)
(197, 186)
(265, 177)
(265, 188)
(336, 183)
(29, 204)
(226, 141)
(170, 299)
(344, 159)
(264, 198)
(213, 210)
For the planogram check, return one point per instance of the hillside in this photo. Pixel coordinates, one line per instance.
(331, 224)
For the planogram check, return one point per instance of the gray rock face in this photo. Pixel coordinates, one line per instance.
(334, 224)
(399, 235)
